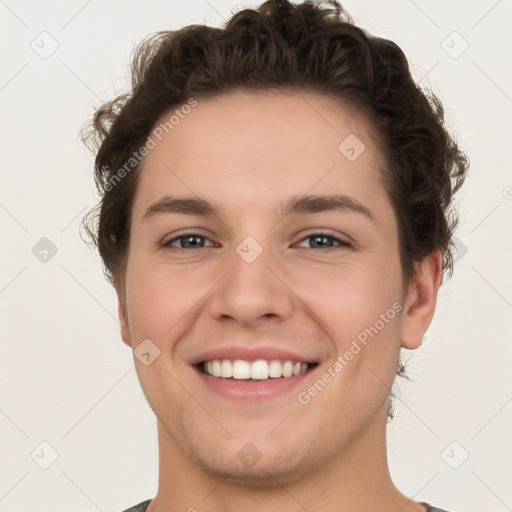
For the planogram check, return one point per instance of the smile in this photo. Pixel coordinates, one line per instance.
(260, 369)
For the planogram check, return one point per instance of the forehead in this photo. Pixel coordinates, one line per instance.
(265, 145)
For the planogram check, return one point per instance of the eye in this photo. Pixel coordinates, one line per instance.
(320, 239)
(187, 241)
(193, 241)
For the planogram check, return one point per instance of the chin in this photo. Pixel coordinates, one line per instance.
(271, 470)
(259, 465)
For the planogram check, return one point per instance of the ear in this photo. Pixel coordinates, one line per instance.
(421, 300)
(123, 322)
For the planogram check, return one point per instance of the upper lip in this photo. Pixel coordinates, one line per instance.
(249, 354)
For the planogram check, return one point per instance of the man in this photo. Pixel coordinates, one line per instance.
(274, 219)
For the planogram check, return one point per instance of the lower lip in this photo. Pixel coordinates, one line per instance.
(252, 390)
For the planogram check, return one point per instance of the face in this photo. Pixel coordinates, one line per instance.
(260, 275)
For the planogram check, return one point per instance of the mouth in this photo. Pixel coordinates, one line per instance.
(252, 381)
(259, 370)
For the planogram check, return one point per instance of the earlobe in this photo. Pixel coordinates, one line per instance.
(123, 323)
(420, 304)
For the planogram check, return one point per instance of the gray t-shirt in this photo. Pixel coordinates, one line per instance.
(141, 507)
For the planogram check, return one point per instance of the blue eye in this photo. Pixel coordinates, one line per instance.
(322, 238)
(193, 241)
(190, 242)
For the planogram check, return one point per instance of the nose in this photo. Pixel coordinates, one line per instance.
(251, 292)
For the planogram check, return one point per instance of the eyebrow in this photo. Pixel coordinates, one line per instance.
(298, 205)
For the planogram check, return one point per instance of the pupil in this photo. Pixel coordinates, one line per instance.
(192, 238)
(320, 237)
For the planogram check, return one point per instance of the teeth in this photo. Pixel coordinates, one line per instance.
(288, 369)
(275, 370)
(241, 370)
(257, 370)
(226, 369)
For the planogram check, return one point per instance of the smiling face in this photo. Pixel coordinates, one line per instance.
(258, 268)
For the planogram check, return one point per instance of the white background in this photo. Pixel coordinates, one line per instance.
(67, 379)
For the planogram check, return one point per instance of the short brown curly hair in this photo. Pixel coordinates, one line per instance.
(311, 46)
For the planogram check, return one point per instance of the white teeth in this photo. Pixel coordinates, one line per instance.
(241, 370)
(226, 369)
(258, 370)
(275, 369)
(288, 369)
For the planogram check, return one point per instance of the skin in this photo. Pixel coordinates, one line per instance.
(246, 153)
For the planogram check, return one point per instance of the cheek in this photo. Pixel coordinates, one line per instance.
(364, 345)
(346, 299)
(158, 298)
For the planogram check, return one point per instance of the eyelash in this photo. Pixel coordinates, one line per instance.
(168, 246)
